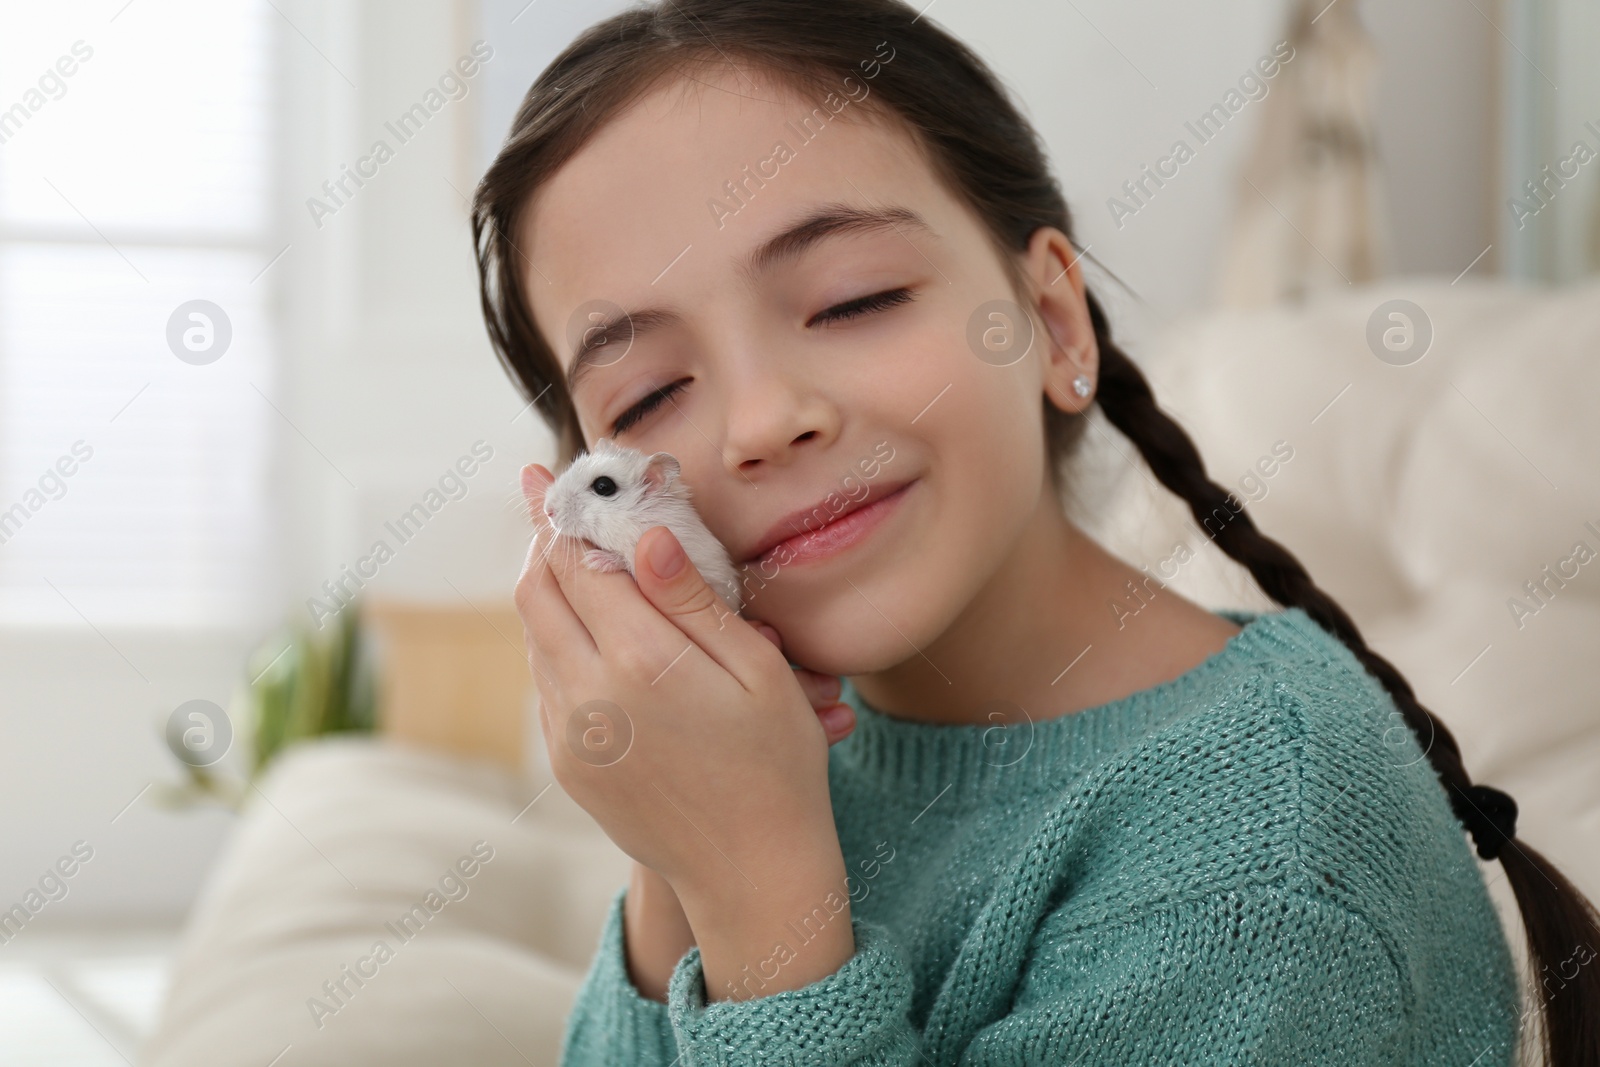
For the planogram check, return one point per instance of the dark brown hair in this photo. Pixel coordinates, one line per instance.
(990, 158)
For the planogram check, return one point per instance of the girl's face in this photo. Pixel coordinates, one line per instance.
(781, 400)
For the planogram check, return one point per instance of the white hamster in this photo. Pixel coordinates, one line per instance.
(612, 494)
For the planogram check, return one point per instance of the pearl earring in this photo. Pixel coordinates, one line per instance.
(1080, 385)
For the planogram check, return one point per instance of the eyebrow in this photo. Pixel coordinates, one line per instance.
(827, 220)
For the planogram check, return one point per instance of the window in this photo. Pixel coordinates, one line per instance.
(135, 154)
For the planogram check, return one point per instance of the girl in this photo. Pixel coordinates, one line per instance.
(809, 248)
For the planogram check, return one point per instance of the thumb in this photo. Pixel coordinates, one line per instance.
(670, 581)
(536, 479)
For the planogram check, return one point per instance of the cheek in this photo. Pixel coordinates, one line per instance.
(983, 424)
(986, 448)
(980, 447)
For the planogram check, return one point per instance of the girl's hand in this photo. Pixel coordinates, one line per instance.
(678, 728)
(838, 720)
(656, 933)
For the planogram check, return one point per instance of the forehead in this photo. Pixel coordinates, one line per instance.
(669, 197)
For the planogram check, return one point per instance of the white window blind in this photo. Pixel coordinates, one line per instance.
(133, 483)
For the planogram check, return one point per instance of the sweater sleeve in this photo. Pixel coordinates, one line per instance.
(855, 1016)
(1269, 976)
(1272, 976)
(611, 1022)
(858, 1016)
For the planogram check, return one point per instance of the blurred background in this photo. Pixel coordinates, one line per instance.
(230, 372)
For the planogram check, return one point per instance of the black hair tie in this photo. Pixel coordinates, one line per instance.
(1488, 814)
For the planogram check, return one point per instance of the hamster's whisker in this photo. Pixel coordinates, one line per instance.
(544, 556)
(567, 556)
(519, 503)
(549, 542)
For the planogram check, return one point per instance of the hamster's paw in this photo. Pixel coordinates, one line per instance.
(603, 560)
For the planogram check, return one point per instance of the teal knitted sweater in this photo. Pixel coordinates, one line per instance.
(1251, 863)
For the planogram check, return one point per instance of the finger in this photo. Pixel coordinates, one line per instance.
(609, 606)
(538, 662)
(669, 580)
(821, 689)
(838, 722)
(535, 480)
(541, 470)
(542, 707)
(554, 632)
(553, 629)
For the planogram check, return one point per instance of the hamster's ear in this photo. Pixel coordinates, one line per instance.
(662, 469)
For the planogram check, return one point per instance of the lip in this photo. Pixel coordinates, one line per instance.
(853, 524)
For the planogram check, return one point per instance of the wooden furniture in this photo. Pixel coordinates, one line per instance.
(453, 678)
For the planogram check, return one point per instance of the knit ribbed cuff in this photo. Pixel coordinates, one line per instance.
(611, 1021)
(856, 1015)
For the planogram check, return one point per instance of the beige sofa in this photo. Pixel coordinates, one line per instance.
(1422, 497)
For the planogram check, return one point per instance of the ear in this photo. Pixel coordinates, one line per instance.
(1052, 264)
(663, 468)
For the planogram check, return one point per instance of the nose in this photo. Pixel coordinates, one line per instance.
(776, 410)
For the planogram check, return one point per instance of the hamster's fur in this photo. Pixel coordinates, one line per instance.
(645, 491)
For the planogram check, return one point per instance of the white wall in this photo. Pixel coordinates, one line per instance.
(387, 370)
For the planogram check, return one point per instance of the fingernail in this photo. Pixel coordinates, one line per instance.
(836, 718)
(832, 687)
(666, 555)
(768, 632)
(532, 480)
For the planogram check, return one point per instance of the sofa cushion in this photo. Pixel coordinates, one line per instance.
(1420, 497)
(352, 842)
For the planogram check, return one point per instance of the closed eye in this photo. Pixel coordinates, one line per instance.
(646, 406)
(863, 305)
(838, 313)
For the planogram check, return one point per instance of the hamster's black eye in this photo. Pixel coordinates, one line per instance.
(603, 486)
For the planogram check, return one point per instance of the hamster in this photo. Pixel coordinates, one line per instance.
(612, 494)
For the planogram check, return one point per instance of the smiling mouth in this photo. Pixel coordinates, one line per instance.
(836, 535)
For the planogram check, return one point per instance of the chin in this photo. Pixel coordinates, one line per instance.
(844, 658)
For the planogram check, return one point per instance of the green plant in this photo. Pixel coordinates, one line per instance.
(322, 684)
(300, 683)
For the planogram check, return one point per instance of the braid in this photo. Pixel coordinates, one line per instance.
(1556, 916)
